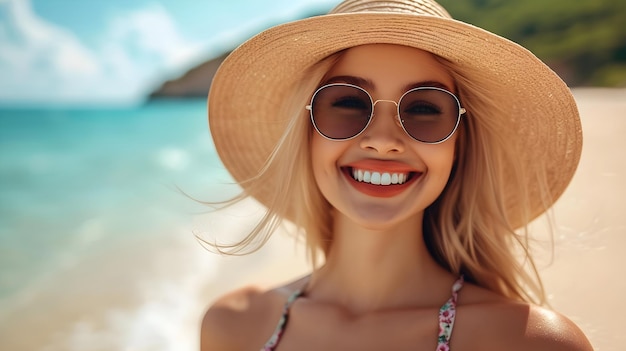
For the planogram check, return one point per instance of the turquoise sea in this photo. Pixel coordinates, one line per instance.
(91, 216)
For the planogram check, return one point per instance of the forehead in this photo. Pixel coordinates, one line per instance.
(391, 65)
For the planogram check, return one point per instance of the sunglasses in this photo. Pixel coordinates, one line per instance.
(342, 111)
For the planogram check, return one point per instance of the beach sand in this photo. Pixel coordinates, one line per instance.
(584, 281)
(137, 311)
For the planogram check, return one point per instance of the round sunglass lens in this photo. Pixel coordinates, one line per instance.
(340, 111)
(429, 115)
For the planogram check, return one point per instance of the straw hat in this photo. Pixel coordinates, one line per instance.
(258, 76)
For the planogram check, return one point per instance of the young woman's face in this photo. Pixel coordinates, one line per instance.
(409, 174)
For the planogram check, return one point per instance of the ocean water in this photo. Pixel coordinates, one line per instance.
(95, 237)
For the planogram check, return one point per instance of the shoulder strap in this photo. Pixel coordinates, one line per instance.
(447, 314)
(271, 344)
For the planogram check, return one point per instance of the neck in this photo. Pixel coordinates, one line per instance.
(369, 269)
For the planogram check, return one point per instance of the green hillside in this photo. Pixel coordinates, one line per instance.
(583, 40)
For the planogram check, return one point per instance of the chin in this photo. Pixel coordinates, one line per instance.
(386, 219)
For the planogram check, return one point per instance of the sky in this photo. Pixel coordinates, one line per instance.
(115, 52)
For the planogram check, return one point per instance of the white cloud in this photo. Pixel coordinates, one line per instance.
(152, 32)
(44, 63)
(35, 55)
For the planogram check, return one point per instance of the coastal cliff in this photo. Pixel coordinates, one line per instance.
(195, 83)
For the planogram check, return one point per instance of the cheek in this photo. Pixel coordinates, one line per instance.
(325, 158)
(440, 159)
(322, 158)
(447, 161)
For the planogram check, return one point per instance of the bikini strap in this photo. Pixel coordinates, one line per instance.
(447, 314)
(271, 344)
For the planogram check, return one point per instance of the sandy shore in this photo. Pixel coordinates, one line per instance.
(584, 280)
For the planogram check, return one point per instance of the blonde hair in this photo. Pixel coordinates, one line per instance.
(290, 165)
(467, 230)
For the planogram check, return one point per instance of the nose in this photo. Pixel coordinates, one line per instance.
(384, 134)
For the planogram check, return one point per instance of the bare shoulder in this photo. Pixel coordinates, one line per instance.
(490, 322)
(550, 330)
(243, 319)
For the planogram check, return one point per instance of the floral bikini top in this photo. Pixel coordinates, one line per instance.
(447, 314)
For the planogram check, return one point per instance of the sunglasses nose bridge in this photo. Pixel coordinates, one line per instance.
(395, 113)
(381, 100)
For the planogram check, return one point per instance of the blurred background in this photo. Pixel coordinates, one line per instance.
(103, 123)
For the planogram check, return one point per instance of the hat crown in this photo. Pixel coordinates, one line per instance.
(415, 7)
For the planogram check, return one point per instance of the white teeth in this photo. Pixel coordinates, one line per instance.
(378, 178)
(375, 178)
(385, 179)
(367, 177)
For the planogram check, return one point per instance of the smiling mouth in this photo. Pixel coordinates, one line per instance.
(380, 178)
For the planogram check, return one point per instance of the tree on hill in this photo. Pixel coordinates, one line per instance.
(583, 40)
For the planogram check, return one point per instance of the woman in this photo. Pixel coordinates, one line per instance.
(409, 149)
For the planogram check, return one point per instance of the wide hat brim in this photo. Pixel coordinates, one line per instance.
(258, 76)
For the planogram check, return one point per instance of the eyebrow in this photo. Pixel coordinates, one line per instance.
(369, 85)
